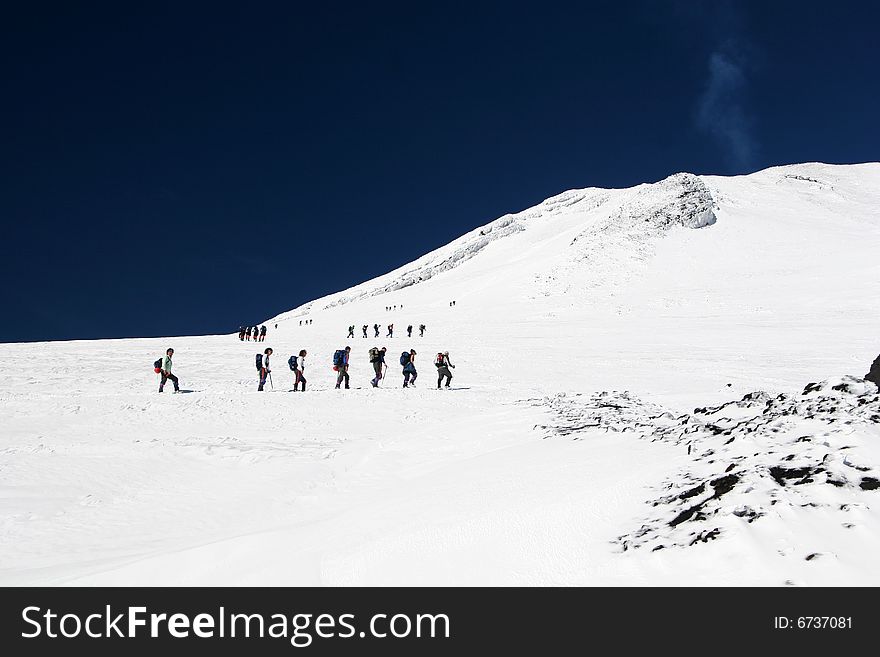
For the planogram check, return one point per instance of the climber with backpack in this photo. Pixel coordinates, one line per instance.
(340, 364)
(298, 366)
(364, 329)
(164, 365)
(409, 331)
(443, 364)
(376, 329)
(407, 359)
(241, 333)
(263, 333)
(377, 359)
(350, 331)
(263, 367)
(390, 331)
(421, 330)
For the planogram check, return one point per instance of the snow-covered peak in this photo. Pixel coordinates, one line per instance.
(603, 234)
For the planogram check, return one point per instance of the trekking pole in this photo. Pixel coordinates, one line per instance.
(270, 381)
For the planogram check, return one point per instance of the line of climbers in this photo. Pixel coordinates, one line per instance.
(390, 334)
(391, 308)
(377, 360)
(297, 364)
(341, 364)
(258, 333)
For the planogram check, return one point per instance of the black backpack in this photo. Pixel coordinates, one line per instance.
(404, 358)
(292, 362)
(259, 362)
(157, 365)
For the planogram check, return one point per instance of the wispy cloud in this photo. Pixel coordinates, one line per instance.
(722, 110)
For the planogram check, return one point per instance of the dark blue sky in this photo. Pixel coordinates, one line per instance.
(181, 168)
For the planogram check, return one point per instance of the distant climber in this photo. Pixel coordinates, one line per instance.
(421, 330)
(409, 331)
(165, 371)
(364, 329)
(390, 331)
(241, 333)
(262, 362)
(340, 364)
(377, 359)
(407, 359)
(263, 333)
(376, 329)
(443, 364)
(350, 331)
(247, 333)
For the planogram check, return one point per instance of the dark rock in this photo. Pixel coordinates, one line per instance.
(698, 490)
(874, 374)
(780, 474)
(724, 484)
(705, 537)
(869, 483)
(685, 515)
(748, 513)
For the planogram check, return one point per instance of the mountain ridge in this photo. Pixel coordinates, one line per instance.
(669, 212)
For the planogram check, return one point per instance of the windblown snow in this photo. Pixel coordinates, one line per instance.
(659, 385)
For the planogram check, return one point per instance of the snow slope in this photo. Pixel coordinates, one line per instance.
(630, 406)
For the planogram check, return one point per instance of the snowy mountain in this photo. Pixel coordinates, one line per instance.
(655, 385)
